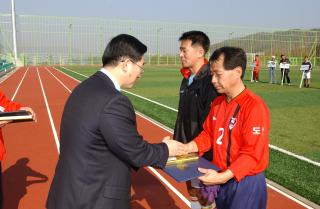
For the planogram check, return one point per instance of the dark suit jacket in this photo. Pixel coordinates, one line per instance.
(99, 144)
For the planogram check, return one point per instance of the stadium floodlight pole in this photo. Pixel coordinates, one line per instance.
(14, 34)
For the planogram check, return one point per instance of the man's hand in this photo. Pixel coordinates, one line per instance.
(175, 147)
(3, 123)
(184, 148)
(212, 177)
(28, 109)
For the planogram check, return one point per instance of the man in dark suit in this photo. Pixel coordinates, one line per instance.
(99, 139)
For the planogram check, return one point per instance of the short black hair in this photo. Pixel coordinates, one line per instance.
(123, 46)
(233, 57)
(197, 38)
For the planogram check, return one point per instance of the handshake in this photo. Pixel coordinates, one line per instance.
(175, 147)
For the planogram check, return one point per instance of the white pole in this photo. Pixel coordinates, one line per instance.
(253, 67)
(282, 80)
(14, 34)
(301, 79)
(252, 74)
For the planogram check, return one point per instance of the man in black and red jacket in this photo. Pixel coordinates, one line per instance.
(196, 90)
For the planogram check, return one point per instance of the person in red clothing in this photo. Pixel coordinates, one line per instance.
(7, 105)
(237, 131)
(256, 69)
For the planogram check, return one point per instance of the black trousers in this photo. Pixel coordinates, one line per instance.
(286, 75)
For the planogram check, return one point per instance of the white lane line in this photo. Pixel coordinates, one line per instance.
(74, 72)
(295, 155)
(59, 81)
(149, 100)
(54, 131)
(67, 75)
(170, 186)
(183, 198)
(289, 196)
(15, 93)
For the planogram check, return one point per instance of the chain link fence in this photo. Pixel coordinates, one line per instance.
(81, 41)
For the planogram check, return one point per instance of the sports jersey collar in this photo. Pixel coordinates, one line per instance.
(114, 81)
(237, 99)
(186, 72)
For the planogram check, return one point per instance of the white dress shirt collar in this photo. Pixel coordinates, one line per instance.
(114, 81)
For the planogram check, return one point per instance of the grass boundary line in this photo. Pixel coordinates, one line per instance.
(300, 157)
(280, 189)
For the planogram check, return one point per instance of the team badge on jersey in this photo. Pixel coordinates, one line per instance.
(232, 123)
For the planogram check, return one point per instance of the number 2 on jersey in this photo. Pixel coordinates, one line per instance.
(219, 139)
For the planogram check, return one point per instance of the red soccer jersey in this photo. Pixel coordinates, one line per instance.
(246, 151)
(6, 105)
(257, 64)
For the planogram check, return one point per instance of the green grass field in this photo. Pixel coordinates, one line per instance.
(294, 119)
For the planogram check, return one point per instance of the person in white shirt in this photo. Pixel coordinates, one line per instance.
(272, 70)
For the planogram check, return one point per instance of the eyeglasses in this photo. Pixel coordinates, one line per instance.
(141, 68)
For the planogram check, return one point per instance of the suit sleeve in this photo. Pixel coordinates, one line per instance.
(118, 126)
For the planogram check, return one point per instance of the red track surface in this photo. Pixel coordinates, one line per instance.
(32, 150)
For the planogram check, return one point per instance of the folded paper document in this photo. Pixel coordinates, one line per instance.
(16, 116)
(184, 168)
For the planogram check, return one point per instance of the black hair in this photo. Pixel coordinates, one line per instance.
(123, 46)
(233, 57)
(197, 38)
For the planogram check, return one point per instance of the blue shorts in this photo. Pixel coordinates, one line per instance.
(249, 193)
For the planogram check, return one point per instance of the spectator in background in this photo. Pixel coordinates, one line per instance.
(256, 69)
(307, 73)
(7, 105)
(285, 71)
(196, 92)
(272, 70)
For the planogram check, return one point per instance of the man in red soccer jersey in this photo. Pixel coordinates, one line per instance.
(237, 130)
(256, 68)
